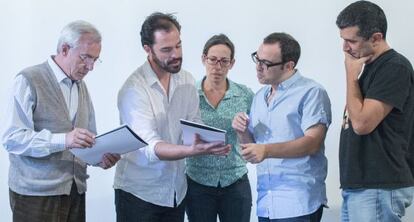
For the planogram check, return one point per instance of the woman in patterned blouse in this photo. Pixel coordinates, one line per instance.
(217, 185)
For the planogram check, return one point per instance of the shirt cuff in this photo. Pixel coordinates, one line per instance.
(321, 119)
(150, 151)
(57, 142)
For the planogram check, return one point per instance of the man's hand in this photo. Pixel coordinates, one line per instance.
(240, 122)
(253, 153)
(353, 65)
(109, 160)
(201, 147)
(79, 138)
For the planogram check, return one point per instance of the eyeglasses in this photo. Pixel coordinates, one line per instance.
(224, 62)
(89, 60)
(262, 62)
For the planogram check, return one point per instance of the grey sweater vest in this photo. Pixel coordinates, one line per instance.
(53, 174)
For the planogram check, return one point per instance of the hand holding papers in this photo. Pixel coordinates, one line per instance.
(120, 140)
(207, 133)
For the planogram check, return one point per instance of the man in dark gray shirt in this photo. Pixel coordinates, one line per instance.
(374, 153)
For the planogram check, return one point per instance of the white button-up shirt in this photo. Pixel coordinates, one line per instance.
(144, 106)
(19, 136)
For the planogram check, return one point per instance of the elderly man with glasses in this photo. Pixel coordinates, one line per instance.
(50, 112)
(284, 133)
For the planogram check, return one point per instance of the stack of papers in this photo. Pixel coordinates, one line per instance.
(120, 140)
(207, 133)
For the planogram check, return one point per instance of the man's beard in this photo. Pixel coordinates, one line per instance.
(167, 66)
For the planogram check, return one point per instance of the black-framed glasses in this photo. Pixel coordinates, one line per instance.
(224, 62)
(89, 60)
(262, 62)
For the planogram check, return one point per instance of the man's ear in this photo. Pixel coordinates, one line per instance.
(65, 49)
(377, 37)
(147, 49)
(289, 65)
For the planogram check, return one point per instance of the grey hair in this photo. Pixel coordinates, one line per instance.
(73, 31)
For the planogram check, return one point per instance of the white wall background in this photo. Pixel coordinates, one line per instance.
(29, 32)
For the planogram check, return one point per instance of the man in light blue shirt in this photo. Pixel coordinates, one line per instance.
(285, 135)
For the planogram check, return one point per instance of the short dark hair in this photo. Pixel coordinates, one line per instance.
(220, 39)
(289, 47)
(367, 16)
(157, 21)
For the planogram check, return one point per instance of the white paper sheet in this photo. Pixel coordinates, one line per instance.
(120, 140)
(207, 133)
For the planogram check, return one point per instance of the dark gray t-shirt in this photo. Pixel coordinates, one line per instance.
(383, 158)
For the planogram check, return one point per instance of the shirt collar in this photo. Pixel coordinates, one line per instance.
(149, 74)
(291, 80)
(232, 91)
(285, 84)
(58, 72)
(152, 78)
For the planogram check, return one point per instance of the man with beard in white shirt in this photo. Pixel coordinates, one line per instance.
(150, 184)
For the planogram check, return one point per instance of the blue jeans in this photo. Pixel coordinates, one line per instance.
(313, 217)
(130, 208)
(366, 205)
(232, 203)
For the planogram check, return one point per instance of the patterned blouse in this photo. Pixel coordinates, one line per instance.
(213, 170)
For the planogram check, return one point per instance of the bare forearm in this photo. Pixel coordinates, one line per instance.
(364, 113)
(309, 144)
(303, 146)
(354, 99)
(166, 151)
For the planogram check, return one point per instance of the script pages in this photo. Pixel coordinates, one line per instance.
(207, 133)
(120, 140)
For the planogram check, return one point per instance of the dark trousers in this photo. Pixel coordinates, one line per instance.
(130, 208)
(313, 217)
(61, 208)
(231, 203)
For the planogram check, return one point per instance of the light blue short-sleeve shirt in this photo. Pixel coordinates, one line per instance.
(290, 187)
